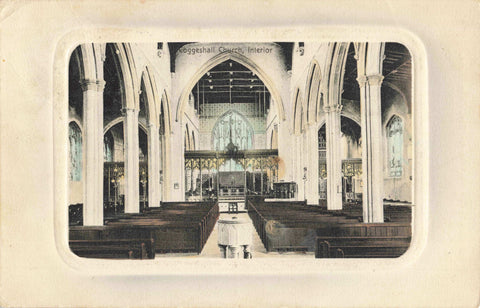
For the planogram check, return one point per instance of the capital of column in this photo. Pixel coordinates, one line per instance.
(372, 80)
(92, 84)
(128, 110)
(332, 108)
(362, 80)
(375, 80)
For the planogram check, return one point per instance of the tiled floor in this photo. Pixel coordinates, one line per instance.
(211, 249)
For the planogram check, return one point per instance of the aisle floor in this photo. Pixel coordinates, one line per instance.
(211, 249)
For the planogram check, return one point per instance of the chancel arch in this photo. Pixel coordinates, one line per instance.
(240, 59)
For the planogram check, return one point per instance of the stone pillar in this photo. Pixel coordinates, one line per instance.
(299, 167)
(130, 131)
(312, 166)
(153, 166)
(161, 170)
(372, 155)
(93, 152)
(334, 158)
(304, 165)
(158, 167)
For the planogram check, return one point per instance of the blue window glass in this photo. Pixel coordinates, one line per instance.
(395, 146)
(108, 147)
(75, 143)
(232, 127)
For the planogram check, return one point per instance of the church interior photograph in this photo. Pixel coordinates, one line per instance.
(240, 150)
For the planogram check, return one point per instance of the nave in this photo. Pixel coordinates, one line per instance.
(278, 228)
(312, 140)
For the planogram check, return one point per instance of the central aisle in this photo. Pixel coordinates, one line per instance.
(211, 249)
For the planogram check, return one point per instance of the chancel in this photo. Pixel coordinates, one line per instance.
(306, 145)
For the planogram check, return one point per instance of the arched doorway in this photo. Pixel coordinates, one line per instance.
(351, 155)
(114, 185)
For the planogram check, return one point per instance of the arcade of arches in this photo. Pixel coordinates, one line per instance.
(325, 123)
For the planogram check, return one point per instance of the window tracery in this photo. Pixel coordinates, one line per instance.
(395, 146)
(75, 142)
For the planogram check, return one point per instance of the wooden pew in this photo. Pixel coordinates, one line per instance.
(289, 227)
(295, 226)
(176, 227)
(116, 248)
(361, 247)
(75, 214)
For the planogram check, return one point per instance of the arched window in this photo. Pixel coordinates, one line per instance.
(108, 147)
(322, 143)
(395, 146)
(232, 126)
(75, 141)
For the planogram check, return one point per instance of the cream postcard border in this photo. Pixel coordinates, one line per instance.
(283, 266)
(49, 280)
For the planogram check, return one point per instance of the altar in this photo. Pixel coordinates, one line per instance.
(205, 178)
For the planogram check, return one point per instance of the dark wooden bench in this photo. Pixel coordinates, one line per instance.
(176, 227)
(295, 226)
(285, 226)
(114, 248)
(75, 214)
(361, 247)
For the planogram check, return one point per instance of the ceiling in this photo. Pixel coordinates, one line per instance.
(230, 82)
(397, 71)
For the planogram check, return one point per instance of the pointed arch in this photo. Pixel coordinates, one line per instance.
(120, 120)
(400, 92)
(312, 91)
(125, 66)
(333, 85)
(298, 113)
(166, 113)
(90, 59)
(222, 57)
(370, 58)
(151, 104)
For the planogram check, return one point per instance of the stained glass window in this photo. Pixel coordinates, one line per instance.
(395, 146)
(232, 127)
(235, 128)
(75, 142)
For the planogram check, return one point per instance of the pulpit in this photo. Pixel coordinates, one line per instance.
(235, 238)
